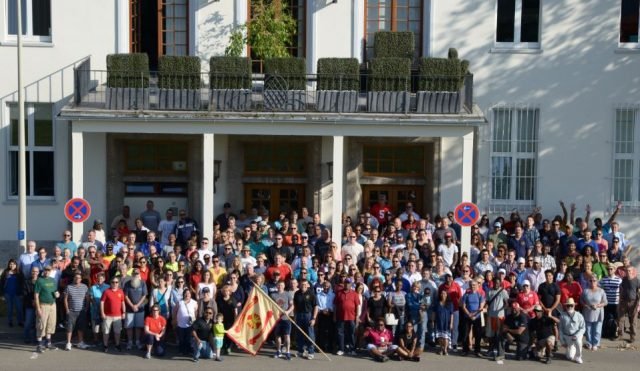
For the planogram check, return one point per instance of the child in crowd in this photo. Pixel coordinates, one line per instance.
(218, 334)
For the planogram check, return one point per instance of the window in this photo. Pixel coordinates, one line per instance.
(36, 19)
(174, 23)
(514, 152)
(156, 157)
(396, 160)
(393, 15)
(39, 151)
(275, 159)
(518, 24)
(626, 162)
(297, 47)
(629, 22)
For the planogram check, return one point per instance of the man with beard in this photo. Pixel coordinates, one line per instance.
(135, 291)
(572, 328)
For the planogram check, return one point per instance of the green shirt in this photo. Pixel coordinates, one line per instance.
(45, 288)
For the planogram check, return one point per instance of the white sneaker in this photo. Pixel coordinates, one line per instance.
(579, 360)
(67, 347)
(82, 345)
(339, 353)
(305, 354)
(594, 348)
(309, 356)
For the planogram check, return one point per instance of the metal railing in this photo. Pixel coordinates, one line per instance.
(361, 93)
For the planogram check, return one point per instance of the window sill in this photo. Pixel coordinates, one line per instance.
(514, 51)
(29, 44)
(635, 50)
(44, 202)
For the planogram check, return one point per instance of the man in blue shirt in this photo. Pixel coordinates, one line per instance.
(520, 243)
(471, 312)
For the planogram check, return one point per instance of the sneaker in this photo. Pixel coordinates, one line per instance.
(67, 347)
(195, 360)
(415, 359)
(277, 355)
(105, 348)
(384, 359)
(39, 349)
(83, 345)
(310, 356)
(339, 353)
(594, 348)
(138, 345)
(50, 346)
(119, 348)
(129, 345)
(352, 353)
(219, 359)
(147, 356)
(579, 360)
(287, 356)
(547, 360)
(305, 354)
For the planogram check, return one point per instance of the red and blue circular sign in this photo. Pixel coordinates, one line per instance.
(466, 214)
(77, 210)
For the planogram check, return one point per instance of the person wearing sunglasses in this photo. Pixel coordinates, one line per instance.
(572, 328)
(155, 326)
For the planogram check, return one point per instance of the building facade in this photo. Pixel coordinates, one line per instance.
(552, 117)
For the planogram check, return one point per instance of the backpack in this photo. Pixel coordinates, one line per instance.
(610, 327)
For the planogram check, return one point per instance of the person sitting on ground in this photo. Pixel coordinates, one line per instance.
(155, 326)
(380, 342)
(408, 345)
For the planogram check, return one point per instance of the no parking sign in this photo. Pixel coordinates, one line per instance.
(466, 214)
(77, 210)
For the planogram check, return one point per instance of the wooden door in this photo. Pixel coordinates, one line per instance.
(274, 197)
(397, 197)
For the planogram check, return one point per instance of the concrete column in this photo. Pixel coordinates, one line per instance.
(338, 189)
(357, 27)
(122, 24)
(467, 184)
(208, 181)
(311, 37)
(77, 177)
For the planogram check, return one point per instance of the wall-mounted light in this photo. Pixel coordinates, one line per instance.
(216, 173)
(330, 169)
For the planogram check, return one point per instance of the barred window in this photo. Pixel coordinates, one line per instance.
(625, 157)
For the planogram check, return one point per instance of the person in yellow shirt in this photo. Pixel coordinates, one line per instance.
(217, 272)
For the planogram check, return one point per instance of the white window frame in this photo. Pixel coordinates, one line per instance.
(507, 205)
(627, 45)
(517, 29)
(30, 148)
(632, 204)
(28, 36)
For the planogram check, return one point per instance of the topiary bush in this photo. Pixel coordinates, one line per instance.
(291, 70)
(128, 70)
(390, 74)
(453, 53)
(389, 44)
(440, 74)
(179, 72)
(230, 73)
(338, 74)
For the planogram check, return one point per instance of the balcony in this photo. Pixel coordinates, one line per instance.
(398, 97)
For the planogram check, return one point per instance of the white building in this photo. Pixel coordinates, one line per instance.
(553, 115)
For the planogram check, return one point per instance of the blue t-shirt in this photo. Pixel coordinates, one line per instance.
(473, 300)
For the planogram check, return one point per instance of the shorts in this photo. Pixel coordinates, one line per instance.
(550, 340)
(76, 320)
(219, 342)
(134, 320)
(108, 321)
(96, 324)
(46, 325)
(283, 328)
(384, 350)
(494, 326)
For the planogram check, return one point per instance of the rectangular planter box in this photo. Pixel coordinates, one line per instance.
(285, 100)
(337, 100)
(179, 99)
(388, 101)
(439, 101)
(230, 100)
(127, 98)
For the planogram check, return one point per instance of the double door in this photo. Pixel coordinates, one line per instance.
(397, 197)
(274, 197)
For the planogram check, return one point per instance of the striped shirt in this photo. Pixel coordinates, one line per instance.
(611, 287)
(76, 295)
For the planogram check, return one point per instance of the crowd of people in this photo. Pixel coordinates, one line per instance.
(396, 285)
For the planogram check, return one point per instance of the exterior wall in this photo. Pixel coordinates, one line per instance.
(577, 79)
(212, 23)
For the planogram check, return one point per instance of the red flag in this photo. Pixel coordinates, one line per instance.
(256, 321)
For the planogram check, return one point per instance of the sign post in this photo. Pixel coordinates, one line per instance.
(466, 214)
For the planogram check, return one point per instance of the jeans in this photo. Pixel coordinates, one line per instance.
(14, 303)
(30, 325)
(184, 340)
(594, 333)
(302, 320)
(204, 350)
(346, 335)
(454, 332)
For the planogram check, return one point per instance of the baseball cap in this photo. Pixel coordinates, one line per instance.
(227, 205)
(526, 283)
(97, 221)
(497, 224)
(205, 289)
(537, 308)
(502, 270)
(616, 239)
(246, 248)
(304, 234)
(537, 260)
(400, 235)
(521, 260)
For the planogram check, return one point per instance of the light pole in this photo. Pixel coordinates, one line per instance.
(22, 165)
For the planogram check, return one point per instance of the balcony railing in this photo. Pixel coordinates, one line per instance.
(97, 89)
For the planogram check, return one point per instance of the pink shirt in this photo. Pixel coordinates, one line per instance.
(377, 337)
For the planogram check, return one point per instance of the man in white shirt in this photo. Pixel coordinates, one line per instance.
(408, 209)
(27, 258)
(352, 248)
(166, 227)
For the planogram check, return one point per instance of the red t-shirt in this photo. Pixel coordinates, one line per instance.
(155, 324)
(285, 272)
(113, 300)
(380, 213)
(455, 294)
(346, 303)
(527, 301)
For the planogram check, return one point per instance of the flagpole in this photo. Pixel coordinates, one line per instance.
(293, 321)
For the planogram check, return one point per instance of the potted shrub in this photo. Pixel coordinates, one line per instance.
(284, 84)
(390, 44)
(338, 85)
(179, 82)
(389, 85)
(441, 84)
(127, 81)
(230, 83)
